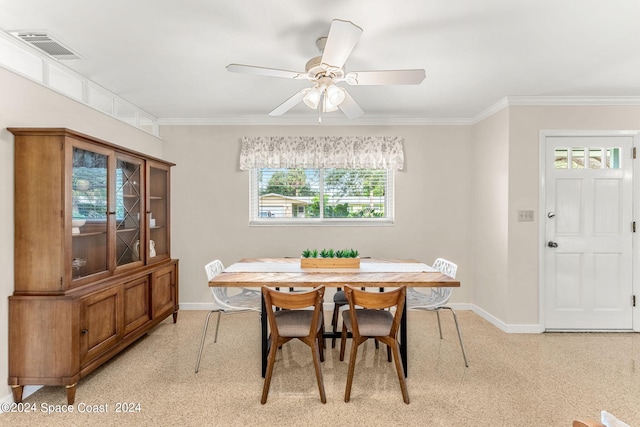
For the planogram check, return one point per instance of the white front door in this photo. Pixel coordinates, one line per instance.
(588, 230)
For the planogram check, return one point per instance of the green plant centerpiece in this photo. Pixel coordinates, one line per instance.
(330, 258)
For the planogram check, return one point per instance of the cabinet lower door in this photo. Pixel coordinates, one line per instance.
(164, 291)
(100, 323)
(137, 307)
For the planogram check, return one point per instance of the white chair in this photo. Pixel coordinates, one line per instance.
(245, 300)
(437, 299)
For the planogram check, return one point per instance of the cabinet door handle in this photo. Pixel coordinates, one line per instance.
(111, 213)
(85, 331)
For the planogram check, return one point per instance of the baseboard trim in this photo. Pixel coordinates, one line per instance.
(505, 327)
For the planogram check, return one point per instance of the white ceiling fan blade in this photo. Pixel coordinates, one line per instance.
(264, 71)
(388, 77)
(289, 103)
(350, 107)
(342, 38)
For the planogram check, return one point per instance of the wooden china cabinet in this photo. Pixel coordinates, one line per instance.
(93, 271)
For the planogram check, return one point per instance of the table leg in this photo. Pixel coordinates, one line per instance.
(403, 338)
(265, 343)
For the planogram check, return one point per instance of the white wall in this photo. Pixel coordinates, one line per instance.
(525, 124)
(488, 215)
(210, 203)
(27, 104)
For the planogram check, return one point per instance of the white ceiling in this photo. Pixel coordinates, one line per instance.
(168, 57)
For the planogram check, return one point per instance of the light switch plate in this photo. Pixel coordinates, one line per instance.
(525, 215)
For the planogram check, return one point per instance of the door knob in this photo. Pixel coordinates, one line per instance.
(552, 244)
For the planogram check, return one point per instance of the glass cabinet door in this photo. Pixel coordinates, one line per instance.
(158, 212)
(89, 200)
(129, 210)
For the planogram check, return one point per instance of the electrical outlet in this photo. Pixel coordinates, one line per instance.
(525, 216)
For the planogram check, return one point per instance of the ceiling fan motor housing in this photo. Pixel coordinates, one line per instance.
(316, 70)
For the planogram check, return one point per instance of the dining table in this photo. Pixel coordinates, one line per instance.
(371, 273)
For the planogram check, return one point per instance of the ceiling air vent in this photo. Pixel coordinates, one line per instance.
(47, 44)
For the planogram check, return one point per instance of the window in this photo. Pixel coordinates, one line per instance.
(333, 180)
(321, 196)
(596, 158)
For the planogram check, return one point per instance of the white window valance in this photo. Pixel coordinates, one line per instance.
(346, 152)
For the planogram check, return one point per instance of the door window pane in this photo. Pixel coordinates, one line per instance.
(613, 158)
(562, 160)
(595, 158)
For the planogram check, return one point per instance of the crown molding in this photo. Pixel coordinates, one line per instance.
(572, 100)
(508, 101)
(488, 112)
(553, 101)
(313, 121)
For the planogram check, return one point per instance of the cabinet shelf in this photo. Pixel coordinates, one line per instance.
(126, 230)
(93, 233)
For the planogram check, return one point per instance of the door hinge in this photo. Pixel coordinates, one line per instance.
(633, 226)
(633, 300)
(633, 153)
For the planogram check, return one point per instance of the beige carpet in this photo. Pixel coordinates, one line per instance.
(513, 380)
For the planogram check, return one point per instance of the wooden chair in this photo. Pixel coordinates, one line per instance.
(339, 300)
(373, 321)
(587, 423)
(606, 420)
(288, 320)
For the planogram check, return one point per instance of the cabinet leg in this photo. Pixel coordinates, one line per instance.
(175, 316)
(17, 393)
(71, 393)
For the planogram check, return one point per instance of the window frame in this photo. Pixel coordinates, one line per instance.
(254, 208)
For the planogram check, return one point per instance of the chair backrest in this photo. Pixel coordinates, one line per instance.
(294, 301)
(376, 301)
(445, 266)
(214, 268)
(587, 423)
(442, 295)
(219, 293)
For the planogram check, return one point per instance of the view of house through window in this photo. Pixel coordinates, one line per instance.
(322, 194)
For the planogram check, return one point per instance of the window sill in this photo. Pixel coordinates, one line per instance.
(322, 223)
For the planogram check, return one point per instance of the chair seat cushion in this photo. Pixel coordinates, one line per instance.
(340, 298)
(371, 323)
(294, 323)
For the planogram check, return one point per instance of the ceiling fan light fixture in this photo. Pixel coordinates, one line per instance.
(335, 95)
(327, 105)
(312, 98)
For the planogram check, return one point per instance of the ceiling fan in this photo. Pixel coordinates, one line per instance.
(328, 69)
